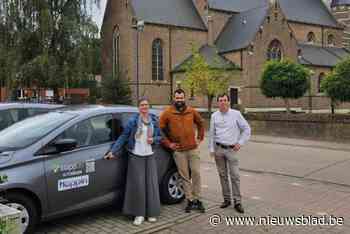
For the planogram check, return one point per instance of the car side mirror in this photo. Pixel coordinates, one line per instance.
(63, 145)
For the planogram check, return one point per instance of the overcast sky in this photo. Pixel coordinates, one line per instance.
(97, 14)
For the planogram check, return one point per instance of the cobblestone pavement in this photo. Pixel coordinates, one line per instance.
(108, 220)
(277, 179)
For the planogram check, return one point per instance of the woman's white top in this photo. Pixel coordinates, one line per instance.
(142, 148)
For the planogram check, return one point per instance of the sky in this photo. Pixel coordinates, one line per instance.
(97, 14)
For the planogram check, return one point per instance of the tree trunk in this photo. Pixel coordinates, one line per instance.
(286, 101)
(333, 107)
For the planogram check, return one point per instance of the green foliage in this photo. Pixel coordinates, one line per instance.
(284, 79)
(116, 90)
(337, 83)
(3, 179)
(203, 79)
(3, 226)
(48, 43)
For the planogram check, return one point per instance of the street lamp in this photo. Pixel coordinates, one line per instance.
(140, 25)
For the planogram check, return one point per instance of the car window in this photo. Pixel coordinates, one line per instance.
(18, 114)
(94, 131)
(126, 116)
(37, 111)
(117, 126)
(5, 119)
(28, 131)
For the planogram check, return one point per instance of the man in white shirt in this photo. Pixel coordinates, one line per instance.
(228, 132)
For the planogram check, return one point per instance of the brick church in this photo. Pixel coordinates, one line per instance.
(148, 41)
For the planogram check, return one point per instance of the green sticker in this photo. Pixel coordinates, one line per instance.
(56, 168)
(3, 179)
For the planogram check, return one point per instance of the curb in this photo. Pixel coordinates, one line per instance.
(301, 145)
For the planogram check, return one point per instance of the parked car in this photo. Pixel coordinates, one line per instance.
(11, 113)
(52, 164)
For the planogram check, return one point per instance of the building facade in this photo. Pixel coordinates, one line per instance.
(147, 41)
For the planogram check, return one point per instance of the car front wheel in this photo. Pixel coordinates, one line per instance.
(171, 189)
(29, 215)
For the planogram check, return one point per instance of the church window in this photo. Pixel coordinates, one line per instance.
(311, 38)
(330, 40)
(157, 60)
(274, 51)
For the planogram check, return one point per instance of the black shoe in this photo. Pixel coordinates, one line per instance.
(225, 204)
(239, 208)
(189, 207)
(199, 206)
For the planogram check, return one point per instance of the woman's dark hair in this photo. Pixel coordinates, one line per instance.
(141, 100)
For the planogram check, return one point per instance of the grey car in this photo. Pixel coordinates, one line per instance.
(11, 113)
(52, 165)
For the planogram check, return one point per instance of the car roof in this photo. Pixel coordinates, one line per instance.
(9, 105)
(83, 110)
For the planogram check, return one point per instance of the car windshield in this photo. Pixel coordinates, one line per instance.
(28, 131)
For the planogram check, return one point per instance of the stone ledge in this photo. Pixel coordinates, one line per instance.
(9, 220)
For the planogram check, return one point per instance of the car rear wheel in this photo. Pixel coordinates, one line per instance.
(29, 215)
(171, 189)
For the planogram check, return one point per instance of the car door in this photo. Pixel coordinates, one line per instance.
(81, 178)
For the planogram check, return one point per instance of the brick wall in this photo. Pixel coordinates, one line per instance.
(321, 33)
(176, 47)
(342, 14)
(315, 126)
(253, 64)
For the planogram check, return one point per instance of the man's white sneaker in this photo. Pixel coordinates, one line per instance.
(152, 219)
(138, 220)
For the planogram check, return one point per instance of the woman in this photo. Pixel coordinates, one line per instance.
(142, 191)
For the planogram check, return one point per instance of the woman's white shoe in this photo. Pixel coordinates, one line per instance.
(138, 220)
(152, 219)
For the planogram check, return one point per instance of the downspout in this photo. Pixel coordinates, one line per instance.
(170, 63)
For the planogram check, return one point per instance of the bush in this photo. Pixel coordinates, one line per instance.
(284, 79)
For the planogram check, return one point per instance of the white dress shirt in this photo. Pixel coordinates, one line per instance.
(228, 128)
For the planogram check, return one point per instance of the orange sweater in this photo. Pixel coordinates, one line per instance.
(179, 127)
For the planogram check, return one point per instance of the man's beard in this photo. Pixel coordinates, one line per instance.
(180, 105)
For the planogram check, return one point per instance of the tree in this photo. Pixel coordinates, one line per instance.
(205, 79)
(284, 79)
(54, 38)
(116, 90)
(336, 84)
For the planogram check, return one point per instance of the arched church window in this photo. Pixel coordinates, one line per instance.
(311, 38)
(274, 51)
(330, 40)
(157, 60)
